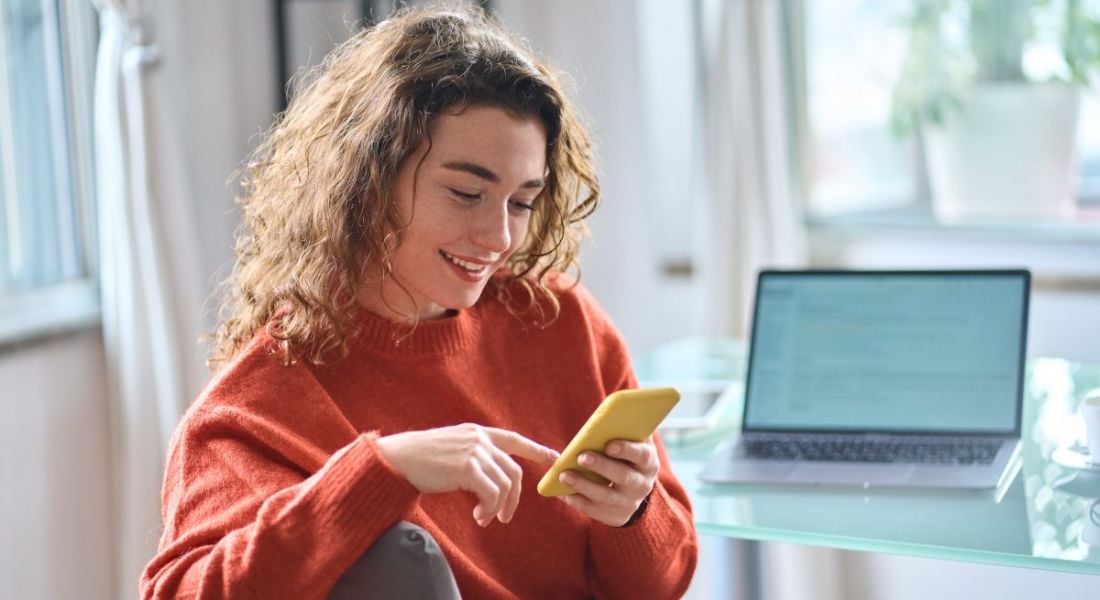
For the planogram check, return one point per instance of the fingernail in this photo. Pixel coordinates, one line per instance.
(614, 449)
(586, 459)
(565, 477)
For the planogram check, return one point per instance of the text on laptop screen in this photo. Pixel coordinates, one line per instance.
(884, 352)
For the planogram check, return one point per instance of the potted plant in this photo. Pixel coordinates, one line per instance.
(993, 88)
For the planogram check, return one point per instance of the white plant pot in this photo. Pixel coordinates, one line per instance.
(1008, 154)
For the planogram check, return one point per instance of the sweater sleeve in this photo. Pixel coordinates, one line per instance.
(254, 509)
(655, 555)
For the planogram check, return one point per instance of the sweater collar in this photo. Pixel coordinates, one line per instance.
(438, 336)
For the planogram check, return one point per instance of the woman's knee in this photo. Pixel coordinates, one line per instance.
(404, 562)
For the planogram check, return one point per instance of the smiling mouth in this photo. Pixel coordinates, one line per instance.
(470, 267)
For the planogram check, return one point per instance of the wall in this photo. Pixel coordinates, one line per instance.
(622, 263)
(55, 487)
(875, 576)
(219, 59)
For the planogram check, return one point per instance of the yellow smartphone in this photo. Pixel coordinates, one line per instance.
(631, 415)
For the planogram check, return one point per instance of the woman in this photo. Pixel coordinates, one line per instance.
(400, 355)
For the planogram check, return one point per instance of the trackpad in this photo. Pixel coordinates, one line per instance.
(850, 474)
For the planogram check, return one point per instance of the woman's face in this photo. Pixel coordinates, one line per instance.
(466, 209)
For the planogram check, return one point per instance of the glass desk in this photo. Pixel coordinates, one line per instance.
(1027, 523)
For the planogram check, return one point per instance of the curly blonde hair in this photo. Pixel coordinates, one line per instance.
(317, 194)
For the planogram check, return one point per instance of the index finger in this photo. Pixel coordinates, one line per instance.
(514, 443)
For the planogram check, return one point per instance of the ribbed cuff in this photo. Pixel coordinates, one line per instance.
(648, 536)
(367, 495)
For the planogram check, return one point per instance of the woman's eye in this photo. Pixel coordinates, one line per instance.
(522, 205)
(464, 195)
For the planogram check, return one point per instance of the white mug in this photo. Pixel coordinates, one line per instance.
(1090, 410)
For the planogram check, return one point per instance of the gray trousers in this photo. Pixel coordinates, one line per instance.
(405, 563)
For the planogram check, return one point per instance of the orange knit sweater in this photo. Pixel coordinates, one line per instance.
(275, 485)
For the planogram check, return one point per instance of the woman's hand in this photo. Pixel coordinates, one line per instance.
(466, 457)
(631, 467)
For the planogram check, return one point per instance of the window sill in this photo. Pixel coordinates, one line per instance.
(31, 316)
(1064, 257)
(1085, 227)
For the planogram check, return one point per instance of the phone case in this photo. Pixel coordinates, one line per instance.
(624, 415)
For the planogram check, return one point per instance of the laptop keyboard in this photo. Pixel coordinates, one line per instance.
(948, 451)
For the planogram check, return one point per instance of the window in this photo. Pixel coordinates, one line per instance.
(855, 56)
(47, 54)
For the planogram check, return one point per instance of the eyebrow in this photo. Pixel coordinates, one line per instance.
(484, 173)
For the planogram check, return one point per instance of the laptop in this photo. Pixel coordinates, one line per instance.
(882, 378)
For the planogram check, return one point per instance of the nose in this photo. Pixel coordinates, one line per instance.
(491, 229)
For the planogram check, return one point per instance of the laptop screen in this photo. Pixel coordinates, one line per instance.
(877, 351)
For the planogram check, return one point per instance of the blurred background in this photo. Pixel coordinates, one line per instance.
(733, 135)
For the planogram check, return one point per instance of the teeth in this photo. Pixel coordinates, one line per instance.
(469, 266)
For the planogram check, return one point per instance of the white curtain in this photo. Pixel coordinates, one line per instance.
(753, 218)
(152, 292)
